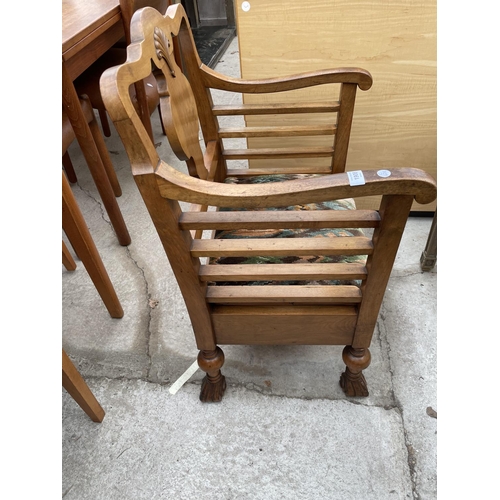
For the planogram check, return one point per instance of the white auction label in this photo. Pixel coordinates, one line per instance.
(245, 6)
(384, 173)
(356, 178)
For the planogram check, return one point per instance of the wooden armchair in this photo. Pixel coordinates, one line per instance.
(272, 256)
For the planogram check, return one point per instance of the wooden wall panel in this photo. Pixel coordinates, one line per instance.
(395, 121)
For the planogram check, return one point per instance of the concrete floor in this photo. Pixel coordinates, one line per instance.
(284, 430)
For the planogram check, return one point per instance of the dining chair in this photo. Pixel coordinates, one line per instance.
(68, 136)
(78, 234)
(78, 389)
(276, 256)
(105, 178)
(144, 94)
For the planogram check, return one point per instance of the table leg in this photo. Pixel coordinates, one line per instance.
(81, 240)
(77, 388)
(68, 167)
(92, 156)
(67, 259)
(106, 160)
(429, 255)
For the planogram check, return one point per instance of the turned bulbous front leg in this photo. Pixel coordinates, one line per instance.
(214, 383)
(353, 381)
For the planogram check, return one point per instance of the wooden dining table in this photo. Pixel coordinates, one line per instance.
(89, 29)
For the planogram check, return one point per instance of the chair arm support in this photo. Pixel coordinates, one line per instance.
(402, 181)
(339, 75)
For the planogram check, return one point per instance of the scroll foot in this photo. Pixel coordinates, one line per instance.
(352, 381)
(214, 383)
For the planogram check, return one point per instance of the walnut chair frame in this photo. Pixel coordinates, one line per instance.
(272, 314)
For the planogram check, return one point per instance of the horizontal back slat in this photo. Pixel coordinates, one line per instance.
(250, 172)
(355, 245)
(288, 131)
(299, 219)
(266, 153)
(282, 272)
(278, 294)
(274, 109)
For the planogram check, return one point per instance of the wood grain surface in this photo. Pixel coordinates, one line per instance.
(395, 121)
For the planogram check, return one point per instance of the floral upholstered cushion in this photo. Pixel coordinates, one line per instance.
(344, 204)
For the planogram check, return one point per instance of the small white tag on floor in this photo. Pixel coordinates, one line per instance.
(184, 378)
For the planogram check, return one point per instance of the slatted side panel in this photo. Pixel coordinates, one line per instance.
(275, 160)
(228, 283)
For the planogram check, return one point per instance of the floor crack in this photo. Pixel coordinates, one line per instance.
(150, 304)
(252, 387)
(386, 347)
(67, 491)
(98, 203)
(409, 274)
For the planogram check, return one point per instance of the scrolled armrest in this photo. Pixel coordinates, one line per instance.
(401, 181)
(216, 80)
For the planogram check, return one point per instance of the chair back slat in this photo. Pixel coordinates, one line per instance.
(178, 107)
